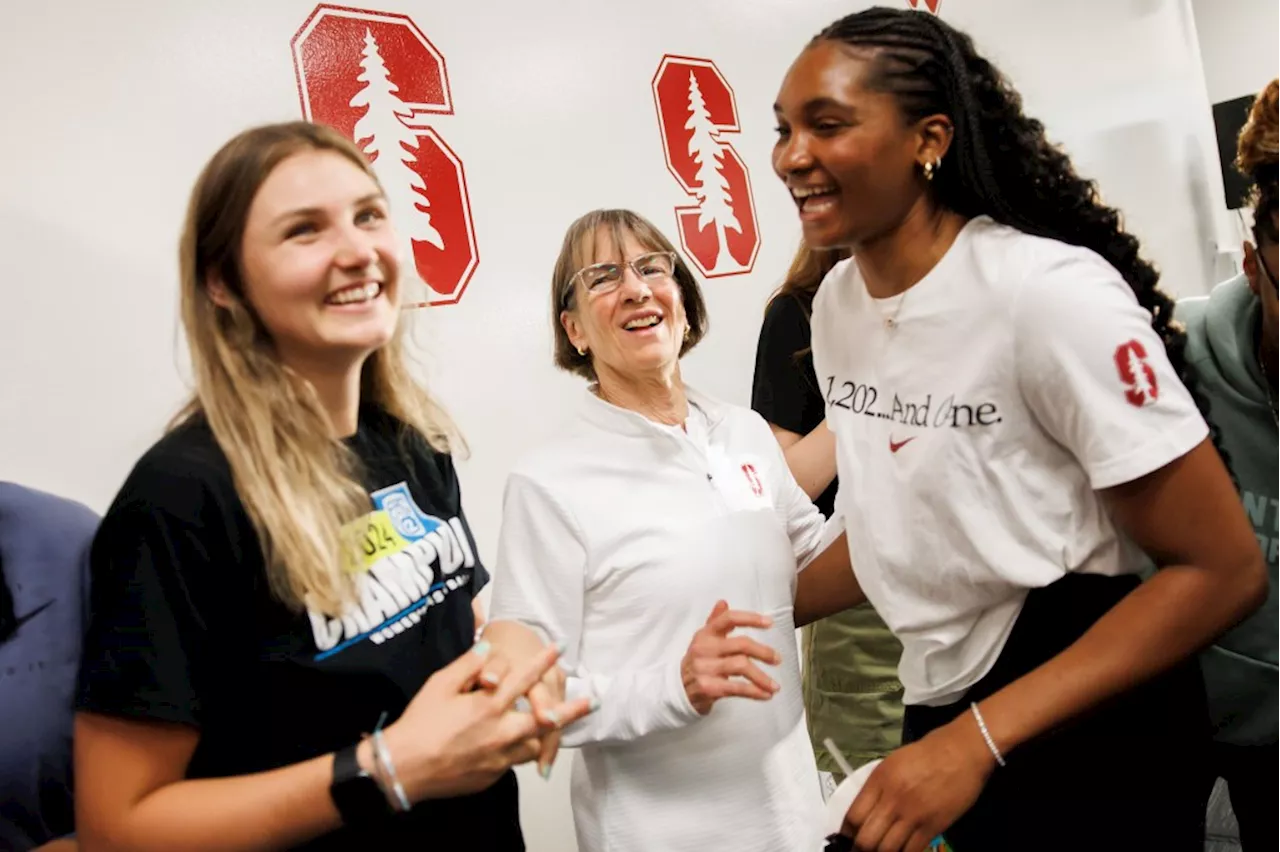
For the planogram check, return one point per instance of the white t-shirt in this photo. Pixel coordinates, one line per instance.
(975, 420)
(617, 540)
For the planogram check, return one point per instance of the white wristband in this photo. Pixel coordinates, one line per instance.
(986, 735)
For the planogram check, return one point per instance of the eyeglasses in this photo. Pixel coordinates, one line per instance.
(601, 278)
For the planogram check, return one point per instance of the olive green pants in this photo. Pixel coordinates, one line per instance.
(851, 688)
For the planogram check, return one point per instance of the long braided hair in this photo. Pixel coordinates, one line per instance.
(1000, 164)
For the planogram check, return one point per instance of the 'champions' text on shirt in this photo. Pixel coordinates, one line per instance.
(408, 562)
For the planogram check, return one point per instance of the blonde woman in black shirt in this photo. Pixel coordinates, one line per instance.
(289, 568)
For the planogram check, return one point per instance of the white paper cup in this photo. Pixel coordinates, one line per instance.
(842, 798)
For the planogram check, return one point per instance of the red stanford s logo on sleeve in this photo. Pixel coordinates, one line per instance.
(753, 479)
(1141, 386)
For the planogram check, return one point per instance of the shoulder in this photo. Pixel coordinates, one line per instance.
(552, 465)
(47, 533)
(1232, 297)
(1191, 312)
(1039, 266)
(1055, 287)
(786, 311)
(22, 507)
(184, 475)
(739, 427)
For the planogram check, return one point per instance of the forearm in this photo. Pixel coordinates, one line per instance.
(812, 460)
(633, 704)
(1165, 620)
(270, 810)
(828, 585)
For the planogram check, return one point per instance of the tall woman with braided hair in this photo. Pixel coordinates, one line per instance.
(1013, 431)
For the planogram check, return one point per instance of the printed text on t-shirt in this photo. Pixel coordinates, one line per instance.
(925, 411)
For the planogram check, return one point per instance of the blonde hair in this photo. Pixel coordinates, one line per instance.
(298, 484)
(579, 250)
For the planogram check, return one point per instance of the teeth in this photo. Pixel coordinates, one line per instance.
(351, 295)
(808, 192)
(642, 322)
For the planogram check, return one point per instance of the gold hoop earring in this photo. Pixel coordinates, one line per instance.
(928, 170)
(686, 332)
(582, 352)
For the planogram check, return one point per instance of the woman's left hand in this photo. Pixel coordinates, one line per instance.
(513, 644)
(919, 790)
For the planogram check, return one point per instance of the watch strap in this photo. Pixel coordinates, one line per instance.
(356, 793)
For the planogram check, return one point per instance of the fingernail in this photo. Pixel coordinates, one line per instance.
(774, 686)
(522, 705)
(554, 717)
(545, 771)
(489, 678)
(559, 646)
(594, 705)
(481, 647)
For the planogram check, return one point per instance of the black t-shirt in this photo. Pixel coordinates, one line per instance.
(185, 629)
(785, 391)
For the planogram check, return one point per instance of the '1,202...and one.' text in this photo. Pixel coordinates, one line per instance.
(858, 398)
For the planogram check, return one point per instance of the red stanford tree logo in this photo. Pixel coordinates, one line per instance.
(1140, 384)
(695, 106)
(931, 5)
(376, 78)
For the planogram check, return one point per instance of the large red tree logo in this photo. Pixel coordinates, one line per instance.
(931, 5)
(696, 108)
(377, 78)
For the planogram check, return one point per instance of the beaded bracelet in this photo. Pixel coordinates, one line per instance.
(386, 769)
(986, 735)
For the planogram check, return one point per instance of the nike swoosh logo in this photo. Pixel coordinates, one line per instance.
(894, 446)
(21, 620)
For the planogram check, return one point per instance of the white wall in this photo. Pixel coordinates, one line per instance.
(1237, 46)
(113, 108)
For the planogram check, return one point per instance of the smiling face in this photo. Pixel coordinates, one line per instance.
(632, 327)
(319, 261)
(851, 159)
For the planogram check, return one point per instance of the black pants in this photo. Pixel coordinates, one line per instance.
(1250, 773)
(1127, 776)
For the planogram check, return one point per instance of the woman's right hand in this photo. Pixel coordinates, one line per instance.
(454, 739)
(718, 665)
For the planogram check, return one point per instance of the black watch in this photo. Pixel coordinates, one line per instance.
(355, 792)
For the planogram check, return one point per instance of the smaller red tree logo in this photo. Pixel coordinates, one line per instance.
(1140, 382)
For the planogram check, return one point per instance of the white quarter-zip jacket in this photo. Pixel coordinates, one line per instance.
(617, 540)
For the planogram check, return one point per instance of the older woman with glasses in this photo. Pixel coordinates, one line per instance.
(658, 541)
